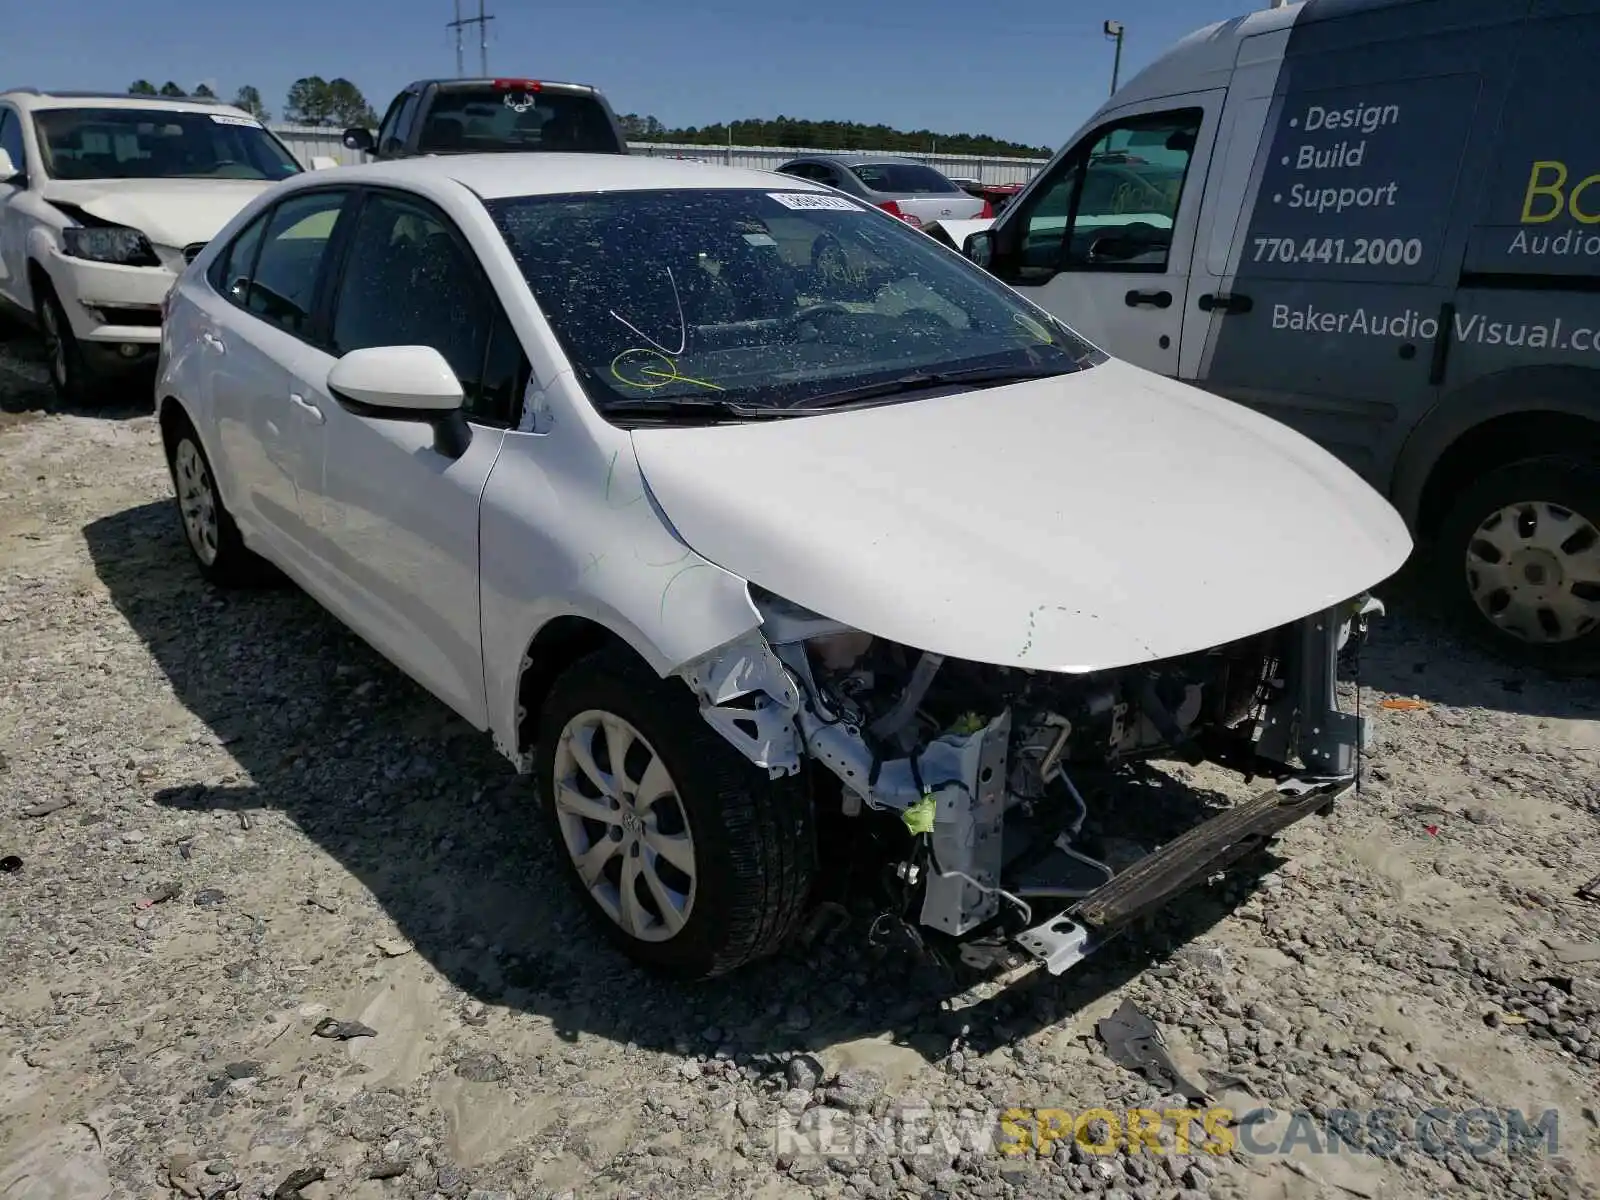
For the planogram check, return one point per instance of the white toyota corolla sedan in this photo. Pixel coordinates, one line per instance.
(725, 502)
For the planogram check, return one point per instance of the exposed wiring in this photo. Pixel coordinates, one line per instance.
(1027, 912)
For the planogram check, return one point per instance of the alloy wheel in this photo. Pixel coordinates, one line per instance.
(624, 825)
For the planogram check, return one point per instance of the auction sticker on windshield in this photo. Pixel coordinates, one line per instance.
(803, 200)
(224, 119)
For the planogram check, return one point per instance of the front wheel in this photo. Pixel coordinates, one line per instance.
(689, 858)
(1518, 561)
(75, 382)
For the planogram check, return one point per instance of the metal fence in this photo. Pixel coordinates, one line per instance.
(308, 141)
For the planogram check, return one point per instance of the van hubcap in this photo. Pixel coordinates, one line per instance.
(1534, 571)
(196, 500)
(624, 825)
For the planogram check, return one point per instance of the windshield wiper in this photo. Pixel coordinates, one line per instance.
(921, 381)
(694, 406)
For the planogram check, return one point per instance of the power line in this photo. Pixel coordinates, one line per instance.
(482, 22)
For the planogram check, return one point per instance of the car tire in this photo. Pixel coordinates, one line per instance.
(208, 530)
(1504, 561)
(73, 380)
(748, 841)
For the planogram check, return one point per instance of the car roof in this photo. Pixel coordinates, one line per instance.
(449, 85)
(33, 98)
(542, 173)
(858, 158)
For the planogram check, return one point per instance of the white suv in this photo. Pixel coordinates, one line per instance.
(103, 200)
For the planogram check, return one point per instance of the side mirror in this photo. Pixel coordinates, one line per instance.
(404, 383)
(8, 169)
(359, 139)
(322, 162)
(979, 247)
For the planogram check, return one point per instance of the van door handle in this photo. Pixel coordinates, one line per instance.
(310, 409)
(1226, 303)
(1157, 299)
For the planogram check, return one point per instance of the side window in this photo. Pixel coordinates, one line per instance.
(283, 286)
(1114, 206)
(1044, 226)
(230, 271)
(1128, 200)
(11, 140)
(391, 118)
(411, 281)
(392, 138)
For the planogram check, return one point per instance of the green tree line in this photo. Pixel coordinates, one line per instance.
(796, 133)
(311, 101)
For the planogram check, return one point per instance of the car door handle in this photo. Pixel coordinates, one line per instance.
(213, 341)
(1226, 303)
(305, 406)
(1161, 299)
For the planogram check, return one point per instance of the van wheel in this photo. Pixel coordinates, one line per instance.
(1517, 561)
(689, 858)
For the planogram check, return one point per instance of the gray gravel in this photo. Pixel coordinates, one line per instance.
(236, 823)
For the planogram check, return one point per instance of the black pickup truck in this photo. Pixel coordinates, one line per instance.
(474, 116)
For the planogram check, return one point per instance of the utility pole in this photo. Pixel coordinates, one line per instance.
(482, 22)
(456, 25)
(1113, 31)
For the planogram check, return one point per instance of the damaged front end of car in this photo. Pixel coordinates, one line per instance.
(978, 760)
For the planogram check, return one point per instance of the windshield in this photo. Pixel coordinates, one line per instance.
(764, 299)
(474, 120)
(150, 143)
(903, 179)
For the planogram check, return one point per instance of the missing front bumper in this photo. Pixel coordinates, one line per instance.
(1160, 877)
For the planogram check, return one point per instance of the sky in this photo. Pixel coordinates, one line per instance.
(1025, 70)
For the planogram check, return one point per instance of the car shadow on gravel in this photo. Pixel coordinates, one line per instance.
(25, 382)
(418, 808)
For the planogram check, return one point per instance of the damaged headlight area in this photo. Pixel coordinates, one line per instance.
(115, 244)
(978, 760)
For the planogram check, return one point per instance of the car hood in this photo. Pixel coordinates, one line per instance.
(1082, 522)
(170, 212)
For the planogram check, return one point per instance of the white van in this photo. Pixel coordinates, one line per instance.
(1374, 220)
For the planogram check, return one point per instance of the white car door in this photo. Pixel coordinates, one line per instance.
(269, 435)
(1104, 240)
(13, 228)
(396, 509)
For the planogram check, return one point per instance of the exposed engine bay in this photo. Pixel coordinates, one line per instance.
(978, 760)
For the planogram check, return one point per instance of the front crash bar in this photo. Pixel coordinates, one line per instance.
(1158, 878)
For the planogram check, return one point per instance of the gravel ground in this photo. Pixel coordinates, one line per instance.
(235, 821)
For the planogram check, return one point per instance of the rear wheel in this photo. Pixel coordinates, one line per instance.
(213, 538)
(689, 858)
(1518, 562)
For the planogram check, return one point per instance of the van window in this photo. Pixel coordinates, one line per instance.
(1114, 206)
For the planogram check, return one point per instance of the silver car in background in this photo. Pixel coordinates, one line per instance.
(915, 192)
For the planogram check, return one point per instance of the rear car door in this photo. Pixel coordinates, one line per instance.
(258, 330)
(1104, 238)
(397, 520)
